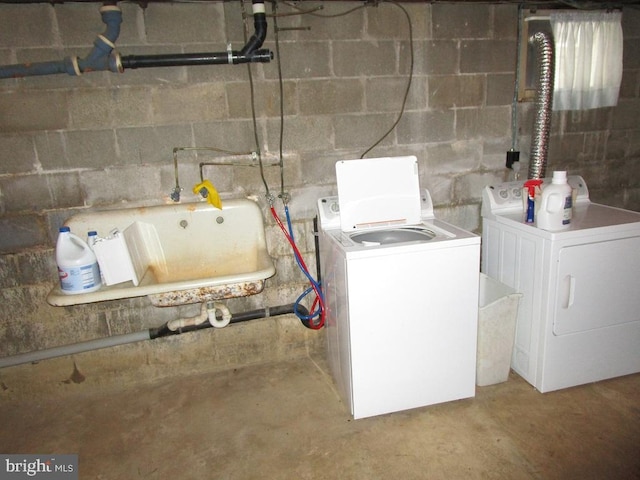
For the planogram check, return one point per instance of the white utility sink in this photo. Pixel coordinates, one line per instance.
(184, 253)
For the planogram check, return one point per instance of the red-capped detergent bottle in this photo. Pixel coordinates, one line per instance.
(556, 205)
(77, 264)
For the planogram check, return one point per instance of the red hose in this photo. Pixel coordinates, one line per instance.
(318, 299)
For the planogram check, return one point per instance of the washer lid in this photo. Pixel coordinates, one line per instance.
(378, 192)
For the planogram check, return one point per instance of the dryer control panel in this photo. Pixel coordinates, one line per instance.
(508, 197)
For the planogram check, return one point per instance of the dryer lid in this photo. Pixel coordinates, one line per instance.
(378, 192)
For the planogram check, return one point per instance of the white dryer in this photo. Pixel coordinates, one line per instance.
(400, 290)
(579, 316)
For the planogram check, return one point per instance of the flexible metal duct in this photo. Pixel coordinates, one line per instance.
(543, 103)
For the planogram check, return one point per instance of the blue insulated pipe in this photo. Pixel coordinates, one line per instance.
(100, 57)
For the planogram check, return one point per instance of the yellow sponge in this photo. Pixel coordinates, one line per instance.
(208, 191)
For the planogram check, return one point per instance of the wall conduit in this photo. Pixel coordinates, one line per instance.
(151, 334)
(103, 57)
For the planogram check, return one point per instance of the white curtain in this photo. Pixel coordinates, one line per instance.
(588, 65)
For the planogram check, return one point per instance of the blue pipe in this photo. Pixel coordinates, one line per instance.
(100, 57)
(103, 58)
(33, 69)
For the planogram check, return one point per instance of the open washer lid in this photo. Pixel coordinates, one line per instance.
(378, 192)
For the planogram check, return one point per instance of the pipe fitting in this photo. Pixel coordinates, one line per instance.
(260, 27)
(99, 58)
(103, 57)
(179, 323)
(250, 53)
(207, 313)
(224, 311)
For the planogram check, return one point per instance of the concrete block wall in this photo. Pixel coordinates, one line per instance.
(69, 144)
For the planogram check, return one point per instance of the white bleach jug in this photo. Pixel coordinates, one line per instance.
(77, 264)
(555, 206)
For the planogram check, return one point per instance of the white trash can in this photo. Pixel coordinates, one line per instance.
(496, 330)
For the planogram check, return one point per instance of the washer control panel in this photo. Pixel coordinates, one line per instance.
(329, 210)
(329, 213)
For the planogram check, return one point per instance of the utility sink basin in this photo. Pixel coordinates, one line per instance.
(183, 253)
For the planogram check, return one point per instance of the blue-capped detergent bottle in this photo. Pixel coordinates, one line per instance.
(77, 264)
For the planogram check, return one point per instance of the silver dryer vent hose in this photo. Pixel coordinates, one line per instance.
(543, 103)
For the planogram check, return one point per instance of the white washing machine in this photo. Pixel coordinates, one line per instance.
(400, 290)
(579, 316)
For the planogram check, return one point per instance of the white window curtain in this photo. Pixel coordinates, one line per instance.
(588, 64)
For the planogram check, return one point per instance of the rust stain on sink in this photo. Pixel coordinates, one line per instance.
(205, 265)
(206, 294)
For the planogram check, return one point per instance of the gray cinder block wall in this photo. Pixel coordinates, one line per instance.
(69, 144)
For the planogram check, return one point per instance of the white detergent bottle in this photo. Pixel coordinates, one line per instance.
(77, 265)
(555, 204)
(92, 238)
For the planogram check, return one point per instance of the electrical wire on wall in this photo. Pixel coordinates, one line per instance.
(314, 12)
(514, 101)
(513, 155)
(409, 81)
(253, 109)
(316, 317)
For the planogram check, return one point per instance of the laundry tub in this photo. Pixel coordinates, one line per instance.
(496, 330)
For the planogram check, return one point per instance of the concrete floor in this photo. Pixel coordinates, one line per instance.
(285, 421)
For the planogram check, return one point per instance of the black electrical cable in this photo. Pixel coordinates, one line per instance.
(514, 100)
(314, 13)
(406, 93)
(281, 86)
(253, 110)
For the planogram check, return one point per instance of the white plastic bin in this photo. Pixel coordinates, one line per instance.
(496, 330)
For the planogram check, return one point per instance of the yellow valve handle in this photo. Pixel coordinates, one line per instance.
(208, 191)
